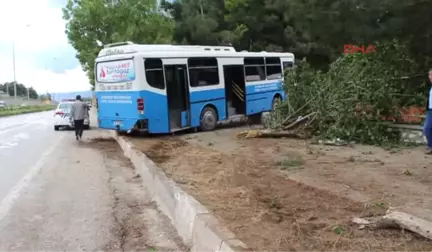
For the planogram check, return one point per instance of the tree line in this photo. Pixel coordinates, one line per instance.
(313, 30)
(22, 90)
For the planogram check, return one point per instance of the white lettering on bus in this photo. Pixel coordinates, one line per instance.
(266, 87)
(116, 99)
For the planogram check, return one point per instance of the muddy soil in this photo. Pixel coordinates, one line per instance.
(261, 189)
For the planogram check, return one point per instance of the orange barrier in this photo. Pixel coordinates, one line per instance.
(408, 115)
(412, 115)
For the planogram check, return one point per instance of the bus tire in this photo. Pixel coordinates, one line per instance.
(208, 119)
(254, 119)
(276, 101)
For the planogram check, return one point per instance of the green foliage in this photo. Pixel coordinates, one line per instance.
(198, 21)
(8, 88)
(350, 100)
(313, 29)
(89, 21)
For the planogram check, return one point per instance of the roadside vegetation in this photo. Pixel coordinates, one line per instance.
(354, 100)
(16, 110)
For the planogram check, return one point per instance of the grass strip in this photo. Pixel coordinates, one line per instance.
(17, 110)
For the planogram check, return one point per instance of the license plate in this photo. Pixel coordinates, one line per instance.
(118, 123)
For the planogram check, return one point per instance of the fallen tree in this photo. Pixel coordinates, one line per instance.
(350, 100)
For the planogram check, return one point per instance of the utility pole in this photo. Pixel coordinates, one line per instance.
(14, 72)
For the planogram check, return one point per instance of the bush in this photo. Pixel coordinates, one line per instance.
(352, 98)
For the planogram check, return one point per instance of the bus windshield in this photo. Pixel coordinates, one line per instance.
(115, 71)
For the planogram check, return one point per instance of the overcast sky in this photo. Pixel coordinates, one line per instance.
(44, 59)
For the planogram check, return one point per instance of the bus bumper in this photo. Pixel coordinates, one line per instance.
(119, 124)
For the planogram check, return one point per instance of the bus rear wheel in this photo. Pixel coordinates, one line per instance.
(276, 101)
(208, 120)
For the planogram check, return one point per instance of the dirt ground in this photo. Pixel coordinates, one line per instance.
(288, 195)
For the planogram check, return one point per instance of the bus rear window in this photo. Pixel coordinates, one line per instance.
(115, 71)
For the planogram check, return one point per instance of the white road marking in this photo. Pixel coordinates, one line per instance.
(14, 193)
(9, 143)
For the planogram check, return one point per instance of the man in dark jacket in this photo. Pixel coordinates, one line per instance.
(428, 122)
(79, 112)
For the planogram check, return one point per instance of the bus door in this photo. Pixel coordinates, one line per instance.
(177, 88)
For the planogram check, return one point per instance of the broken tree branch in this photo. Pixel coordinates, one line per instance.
(299, 121)
(270, 134)
(397, 219)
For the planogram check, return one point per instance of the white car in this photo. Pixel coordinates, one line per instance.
(62, 117)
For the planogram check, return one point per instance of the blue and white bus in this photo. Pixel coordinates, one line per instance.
(168, 88)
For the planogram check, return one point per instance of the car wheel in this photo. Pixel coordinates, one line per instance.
(208, 120)
(56, 128)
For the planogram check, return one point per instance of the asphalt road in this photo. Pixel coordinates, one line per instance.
(23, 141)
(57, 194)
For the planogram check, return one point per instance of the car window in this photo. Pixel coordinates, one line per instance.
(65, 106)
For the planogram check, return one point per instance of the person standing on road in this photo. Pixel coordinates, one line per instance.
(79, 112)
(428, 122)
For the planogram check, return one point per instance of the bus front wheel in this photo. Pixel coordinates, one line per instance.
(208, 120)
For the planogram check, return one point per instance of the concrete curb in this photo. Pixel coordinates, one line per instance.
(198, 228)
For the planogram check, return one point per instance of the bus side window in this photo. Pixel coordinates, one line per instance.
(203, 72)
(273, 68)
(154, 73)
(254, 69)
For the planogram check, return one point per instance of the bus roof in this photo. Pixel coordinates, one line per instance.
(119, 50)
(129, 47)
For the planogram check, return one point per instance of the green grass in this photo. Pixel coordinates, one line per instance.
(17, 110)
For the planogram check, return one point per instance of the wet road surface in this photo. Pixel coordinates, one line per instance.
(23, 141)
(60, 194)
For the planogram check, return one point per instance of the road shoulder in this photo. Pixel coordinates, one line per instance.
(85, 197)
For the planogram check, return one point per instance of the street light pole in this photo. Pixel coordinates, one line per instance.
(14, 68)
(14, 72)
